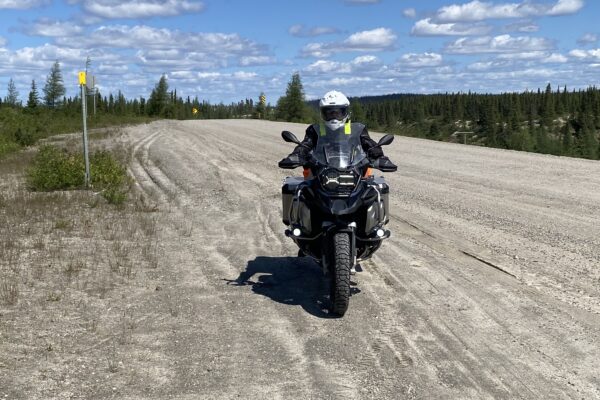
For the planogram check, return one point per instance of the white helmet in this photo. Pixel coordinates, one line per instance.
(334, 109)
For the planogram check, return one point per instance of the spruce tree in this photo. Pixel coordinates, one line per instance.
(291, 107)
(157, 104)
(548, 108)
(54, 88)
(12, 96)
(567, 140)
(357, 113)
(34, 98)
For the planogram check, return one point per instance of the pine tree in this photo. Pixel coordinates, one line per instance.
(34, 98)
(12, 96)
(54, 88)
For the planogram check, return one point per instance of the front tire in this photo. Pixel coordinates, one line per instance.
(340, 280)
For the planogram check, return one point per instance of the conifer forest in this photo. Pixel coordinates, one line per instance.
(553, 120)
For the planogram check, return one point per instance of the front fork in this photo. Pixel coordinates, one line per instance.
(329, 230)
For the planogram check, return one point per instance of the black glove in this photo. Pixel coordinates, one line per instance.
(374, 153)
(384, 164)
(292, 161)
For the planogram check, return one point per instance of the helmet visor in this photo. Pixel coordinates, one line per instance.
(337, 112)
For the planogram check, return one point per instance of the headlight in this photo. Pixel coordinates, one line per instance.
(340, 182)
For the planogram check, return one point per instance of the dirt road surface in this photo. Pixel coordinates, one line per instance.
(489, 287)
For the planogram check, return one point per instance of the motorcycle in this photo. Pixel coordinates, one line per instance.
(336, 213)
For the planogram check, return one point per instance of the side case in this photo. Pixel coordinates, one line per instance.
(293, 210)
(378, 213)
(288, 191)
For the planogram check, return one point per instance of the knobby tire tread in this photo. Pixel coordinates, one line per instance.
(343, 259)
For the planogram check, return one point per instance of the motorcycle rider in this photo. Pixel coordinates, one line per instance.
(335, 115)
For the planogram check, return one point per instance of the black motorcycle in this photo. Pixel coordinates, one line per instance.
(337, 212)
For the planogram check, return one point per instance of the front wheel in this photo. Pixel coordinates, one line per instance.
(340, 280)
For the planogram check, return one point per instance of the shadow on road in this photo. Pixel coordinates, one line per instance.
(288, 280)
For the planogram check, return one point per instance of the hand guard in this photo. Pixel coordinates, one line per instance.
(384, 164)
(292, 161)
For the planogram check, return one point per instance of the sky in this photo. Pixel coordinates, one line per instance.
(228, 50)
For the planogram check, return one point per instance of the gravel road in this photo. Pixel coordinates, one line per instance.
(489, 287)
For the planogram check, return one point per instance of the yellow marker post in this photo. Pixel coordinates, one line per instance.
(82, 83)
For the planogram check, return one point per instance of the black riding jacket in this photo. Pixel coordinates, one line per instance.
(311, 137)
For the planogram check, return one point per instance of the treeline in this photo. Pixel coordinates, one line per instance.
(561, 121)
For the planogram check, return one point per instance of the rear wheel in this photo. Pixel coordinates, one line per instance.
(340, 279)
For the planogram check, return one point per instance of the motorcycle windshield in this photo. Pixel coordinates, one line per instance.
(339, 150)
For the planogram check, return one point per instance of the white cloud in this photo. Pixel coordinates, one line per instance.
(361, 64)
(53, 28)
(555, 58)
(327, 67)
(422, 60)
(564, 7)
(586, 55)
(256, 60)
(479, 11)
(300, 30)
(214, 45)
(536, 56)
(317, 50)
(379, 39)
(141, 8)
(522, 26)
(2, 41)
(22, 4)
(244, 76)
(409, 13)
(587, 38)
(426, 27)
(349, 81)
(112, 69)
(481, 66)
(498, 44)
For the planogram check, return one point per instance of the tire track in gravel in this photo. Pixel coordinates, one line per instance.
(220, 258)
(425, 320)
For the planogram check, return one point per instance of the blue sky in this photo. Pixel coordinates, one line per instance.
(226, 50)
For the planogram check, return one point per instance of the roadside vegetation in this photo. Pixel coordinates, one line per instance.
(553, 121)
(54, 168)
(73, 268)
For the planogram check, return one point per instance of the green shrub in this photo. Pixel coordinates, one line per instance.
(57, 169)
(109, 175)
(7, 146)
(24, 137)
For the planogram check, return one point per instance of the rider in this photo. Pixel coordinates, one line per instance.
(334, 107)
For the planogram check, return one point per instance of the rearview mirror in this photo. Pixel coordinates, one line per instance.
(387, 139)
(289, 137)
